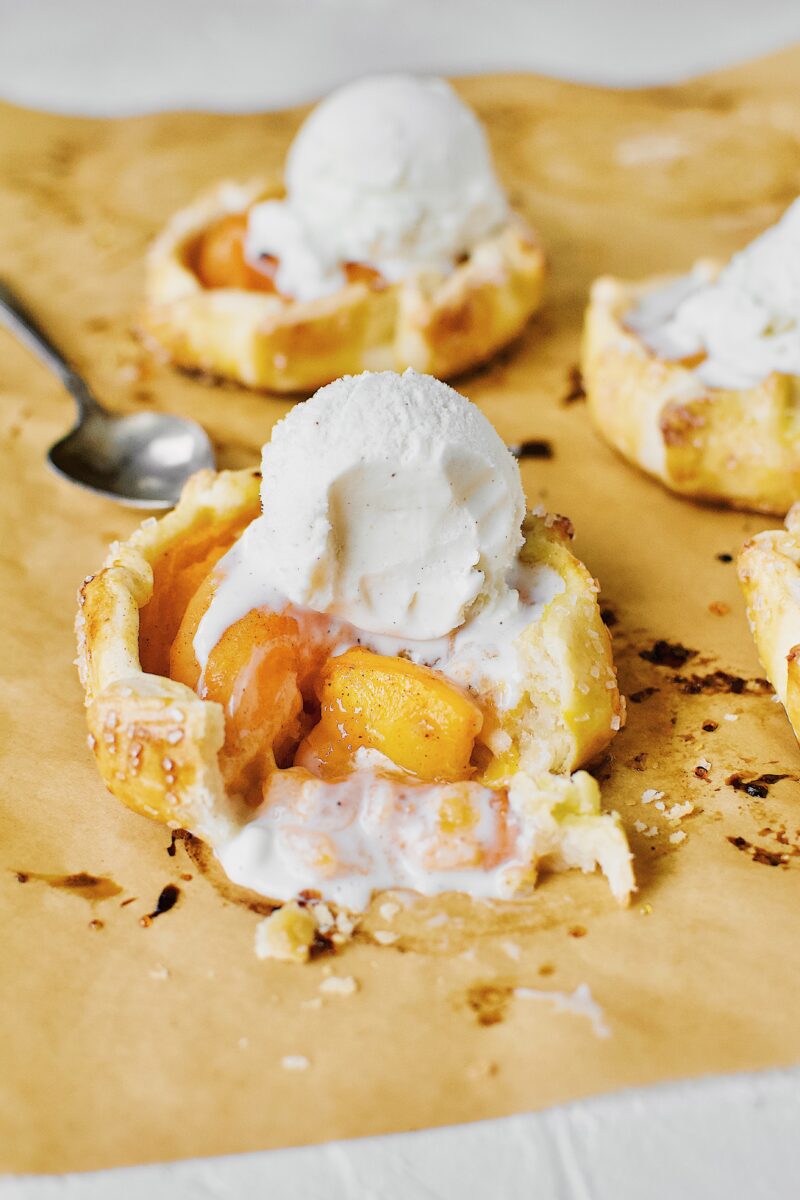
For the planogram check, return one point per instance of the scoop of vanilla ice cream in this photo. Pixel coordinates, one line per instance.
(746, 320)
(391, 502)
(391, 171)
(394, 170)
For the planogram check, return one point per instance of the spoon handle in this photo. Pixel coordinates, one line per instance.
(14, 316)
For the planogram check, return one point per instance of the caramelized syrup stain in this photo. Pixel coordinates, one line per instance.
(667, 654)
(642, 695)
(90, 887)
(489, 1002)
(759, 854)
(168, 898)
(717, 683)
(533, 448)
(758, 787)
(576, 391)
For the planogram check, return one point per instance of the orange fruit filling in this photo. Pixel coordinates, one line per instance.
(285, 699)
(218, 259)
(409, 713)
(262, 672)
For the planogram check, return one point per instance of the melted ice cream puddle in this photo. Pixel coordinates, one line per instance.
(373, 831)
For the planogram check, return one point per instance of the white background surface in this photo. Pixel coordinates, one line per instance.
(735, 1137)
(112, 56)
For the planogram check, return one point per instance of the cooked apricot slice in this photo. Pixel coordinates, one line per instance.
(176, 577)
(183, 664)
(219, 259)
(253, 673)
(410, 713)
(361, 273)
(262, 671)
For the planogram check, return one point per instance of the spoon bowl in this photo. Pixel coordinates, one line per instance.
(142, 460)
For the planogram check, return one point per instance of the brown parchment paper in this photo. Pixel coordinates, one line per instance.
(124, 1043)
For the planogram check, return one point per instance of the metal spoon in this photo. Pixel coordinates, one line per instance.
(142, 460)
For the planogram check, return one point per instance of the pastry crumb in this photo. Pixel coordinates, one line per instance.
(651, 794)
(678, 836)
(286, 935)
(323, 917)
(385, 937)
(345, 924)
(339, 985)
(295, 1062)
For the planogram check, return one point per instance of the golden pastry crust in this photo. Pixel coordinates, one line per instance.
(157, 743)
(769, 572)
(739, 448)
(440, 325)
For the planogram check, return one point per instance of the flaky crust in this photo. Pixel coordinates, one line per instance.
(739, 448)
(439, 325)
(157, 743)
(769, 572)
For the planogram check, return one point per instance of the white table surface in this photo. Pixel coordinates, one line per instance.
(733, 1137)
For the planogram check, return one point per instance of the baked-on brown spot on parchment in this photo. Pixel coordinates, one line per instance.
(759, 854)
(667, 654)
(80, 883)
(575, 392)
(757, 787)
(489, 1002)
(168, 897)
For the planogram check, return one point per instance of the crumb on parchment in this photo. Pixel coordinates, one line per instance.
(287, 934)
(295, 1062)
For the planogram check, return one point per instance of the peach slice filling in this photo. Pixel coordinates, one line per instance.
(287, 701)
(219, 261)
(408, 713)
(299, 714)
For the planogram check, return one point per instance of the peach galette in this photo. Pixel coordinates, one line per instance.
(365, 667)
(697, 380)
(769, 572)
(392, 245)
